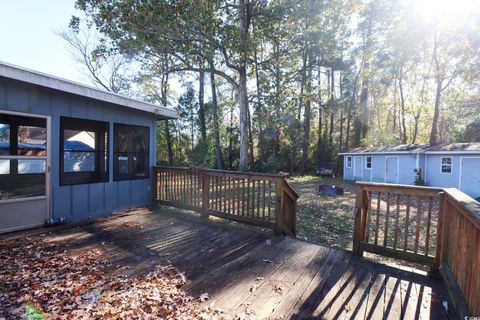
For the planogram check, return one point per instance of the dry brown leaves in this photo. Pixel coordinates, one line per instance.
(42, 281)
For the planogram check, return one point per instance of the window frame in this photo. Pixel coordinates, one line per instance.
(131, 128)
(366, 162)
(451, 165)
(347, 161)
(102, 152)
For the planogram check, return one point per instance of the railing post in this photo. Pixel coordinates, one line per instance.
(358, 229)
(279, 218)
(439, 246)
(154, 187)
(205, 191)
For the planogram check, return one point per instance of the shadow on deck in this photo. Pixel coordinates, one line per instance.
(249, 272)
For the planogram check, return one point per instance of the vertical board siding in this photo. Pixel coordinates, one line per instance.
(81, 201)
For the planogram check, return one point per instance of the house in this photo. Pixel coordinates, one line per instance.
(454, 165)
(70, 151)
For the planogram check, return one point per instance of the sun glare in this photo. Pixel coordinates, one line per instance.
(447, 11)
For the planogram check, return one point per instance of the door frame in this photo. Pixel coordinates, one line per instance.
(461, 167)
(355, 166)
(48, 184)
(398, 168)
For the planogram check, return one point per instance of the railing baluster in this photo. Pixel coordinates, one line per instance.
(253, 198)
(429, 221)
(387, 216)
(243, 196)
(269, 200)
(397, 216)
(417, 228)
(407, 222)
(377, 218)
(258, 199)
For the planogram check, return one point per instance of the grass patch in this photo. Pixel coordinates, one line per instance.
(324, 219)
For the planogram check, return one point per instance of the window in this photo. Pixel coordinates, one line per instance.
(131, 152)
(446, 164)
(23, 150)
(368, 162)
(349, 161)
(84, 151)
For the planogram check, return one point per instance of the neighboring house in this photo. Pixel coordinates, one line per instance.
(71, 151)
(454, 165)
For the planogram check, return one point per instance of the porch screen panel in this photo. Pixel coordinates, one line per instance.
(23, 152)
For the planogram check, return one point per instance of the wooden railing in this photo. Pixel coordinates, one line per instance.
(431, 226)
(458, 251)
(259, 199)
(397, 221)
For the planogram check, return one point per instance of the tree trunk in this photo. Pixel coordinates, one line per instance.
(436, 113)
(230, 141)
(402, 106)
(245, 7)
(319, 140)
(164, 98)
(169, 143)
(364, 110)
(216, 122)
(347, 136)
(201, 107)
(259, 112)
(307, 115)
(251, 159)
(276, 123)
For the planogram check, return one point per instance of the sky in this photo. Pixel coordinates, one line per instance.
(28, 39)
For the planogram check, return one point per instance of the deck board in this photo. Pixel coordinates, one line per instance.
(247, 272)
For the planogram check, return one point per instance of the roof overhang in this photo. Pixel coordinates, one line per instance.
(48, 81)
(386, 152)
(410, 152)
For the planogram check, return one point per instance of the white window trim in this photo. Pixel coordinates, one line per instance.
(366, 162)
(346, 162)
(451, 165)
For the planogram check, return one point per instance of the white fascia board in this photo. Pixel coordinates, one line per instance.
(454, 152)
(45, 80)
(368, 153)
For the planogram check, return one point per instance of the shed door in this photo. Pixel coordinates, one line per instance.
(358, 168)
(470, 177)
(23, 172)
(391, 169)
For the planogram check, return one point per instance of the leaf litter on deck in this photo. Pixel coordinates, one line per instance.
(39, 280)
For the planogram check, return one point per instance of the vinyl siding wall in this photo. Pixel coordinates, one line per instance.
(87, 200)
(406, 174)
(434, 175)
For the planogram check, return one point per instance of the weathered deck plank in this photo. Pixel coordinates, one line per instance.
(249, 273)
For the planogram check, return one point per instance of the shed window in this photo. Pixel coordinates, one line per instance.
(368, 162)
(84, 151)
(131, 152)
(349, 161)
(446, 164)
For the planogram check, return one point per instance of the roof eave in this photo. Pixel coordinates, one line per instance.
(48, 81)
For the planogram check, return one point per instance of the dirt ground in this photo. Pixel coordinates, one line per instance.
(324, 219)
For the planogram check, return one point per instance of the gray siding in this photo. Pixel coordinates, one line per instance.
(82, 201)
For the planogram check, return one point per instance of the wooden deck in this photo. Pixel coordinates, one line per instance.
(251, 273)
